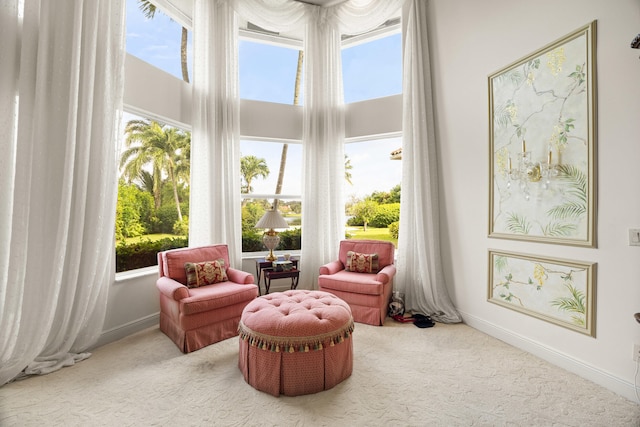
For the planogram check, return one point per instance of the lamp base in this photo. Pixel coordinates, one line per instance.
(271, 241)
(271, 257)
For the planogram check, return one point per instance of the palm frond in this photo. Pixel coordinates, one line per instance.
(559, 229)
(567, 210)
(518, 224)
(501, 118)
(573, 303)
(500, 263)
(577, 180)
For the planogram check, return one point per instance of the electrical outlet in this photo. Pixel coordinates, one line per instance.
(636, 352)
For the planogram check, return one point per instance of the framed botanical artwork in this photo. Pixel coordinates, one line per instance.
(558, 291)
(542, 131)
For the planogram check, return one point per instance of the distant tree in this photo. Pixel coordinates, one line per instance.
(161, 147)
(347, 169)
(252, 167)
(383, 197)
(365, 210)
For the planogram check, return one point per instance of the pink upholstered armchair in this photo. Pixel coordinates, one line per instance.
(366, 293)
(194, 317)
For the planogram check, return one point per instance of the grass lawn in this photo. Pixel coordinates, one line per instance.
(371, 233)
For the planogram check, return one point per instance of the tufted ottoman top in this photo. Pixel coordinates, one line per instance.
(297, 320)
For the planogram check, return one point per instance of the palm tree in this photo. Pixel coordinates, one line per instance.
(164, 148)
(285, 147)
(347, 169)
(149, 10)
(252, 167)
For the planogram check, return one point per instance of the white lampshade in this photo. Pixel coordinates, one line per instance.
(272, 219)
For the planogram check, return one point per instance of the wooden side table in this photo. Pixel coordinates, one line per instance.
(262, 264)
(270, 273)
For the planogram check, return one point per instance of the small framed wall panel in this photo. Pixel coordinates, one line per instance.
(555, 290)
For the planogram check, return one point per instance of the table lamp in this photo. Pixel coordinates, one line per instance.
(269, 221)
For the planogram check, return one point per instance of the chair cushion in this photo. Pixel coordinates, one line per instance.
(362, 263)
(349, 281)
(223, 294)
(205, 273)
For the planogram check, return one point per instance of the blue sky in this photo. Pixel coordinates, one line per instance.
(267, 73)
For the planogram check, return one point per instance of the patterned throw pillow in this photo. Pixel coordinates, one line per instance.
(205, 273)
(362, 263)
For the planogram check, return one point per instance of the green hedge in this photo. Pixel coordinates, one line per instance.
(289, 240)
(145, 253)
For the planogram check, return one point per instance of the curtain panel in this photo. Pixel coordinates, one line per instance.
(419, 238)
(61, 87)
(215, 143)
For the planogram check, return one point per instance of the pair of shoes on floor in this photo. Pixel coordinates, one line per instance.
(400, 318)
(422, 321)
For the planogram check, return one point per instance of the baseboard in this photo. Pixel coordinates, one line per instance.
(598, 376)
(119, 332)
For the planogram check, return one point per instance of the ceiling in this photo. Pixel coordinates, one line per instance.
(322, 2)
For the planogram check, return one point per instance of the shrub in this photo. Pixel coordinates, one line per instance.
(181, 228)
(290, 239)
(394, 229)
(168, 215)
(252, 241)
(385, 215)
(145, 253)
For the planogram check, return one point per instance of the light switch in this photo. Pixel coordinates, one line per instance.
(634, 237)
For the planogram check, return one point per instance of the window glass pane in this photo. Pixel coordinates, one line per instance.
(268, 72)
(155, 38)
(260, 164)
(152, 213)
(373, 69)
(252, 211)
(373, 189)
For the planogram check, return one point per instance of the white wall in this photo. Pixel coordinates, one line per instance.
(472, 39)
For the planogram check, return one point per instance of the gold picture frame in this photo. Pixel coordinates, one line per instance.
(558, 291)
(542, 132)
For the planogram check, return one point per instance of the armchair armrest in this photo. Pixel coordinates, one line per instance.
(172, 289)
(239, 276)
(386, 274)
(332, 268)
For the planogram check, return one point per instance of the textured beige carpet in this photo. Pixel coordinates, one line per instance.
(448, 375)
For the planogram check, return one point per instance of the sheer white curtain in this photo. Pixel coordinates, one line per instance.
(215, 143)
(323, 216)
(61, 86)
(324, 129)
(420, 275)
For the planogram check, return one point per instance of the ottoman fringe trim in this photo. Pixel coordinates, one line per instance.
(293, 344)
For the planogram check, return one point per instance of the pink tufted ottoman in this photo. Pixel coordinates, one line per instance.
(296, 342)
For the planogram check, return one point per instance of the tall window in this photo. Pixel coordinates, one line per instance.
(372, 68)
(152, 212)
(270, 170)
